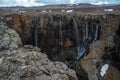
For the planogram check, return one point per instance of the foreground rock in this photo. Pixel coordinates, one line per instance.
(28, 64)
(9, 38)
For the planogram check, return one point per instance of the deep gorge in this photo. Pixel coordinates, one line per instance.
(79, 40)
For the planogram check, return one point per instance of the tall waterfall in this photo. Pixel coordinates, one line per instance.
(85, 31)
(60, 32)
(60, 35)
(87, 37)
(96, 32)
(76, 32)
(41, 22)
(81, 50)
(36, 37)
(36, 33)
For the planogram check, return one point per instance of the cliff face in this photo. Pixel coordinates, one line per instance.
(56, 33)
(70, 37)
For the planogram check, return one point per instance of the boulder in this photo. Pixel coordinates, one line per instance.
(9, 38)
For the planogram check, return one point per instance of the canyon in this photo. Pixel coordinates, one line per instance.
(83, 41)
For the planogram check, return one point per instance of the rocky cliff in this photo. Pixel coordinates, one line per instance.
(83, 41)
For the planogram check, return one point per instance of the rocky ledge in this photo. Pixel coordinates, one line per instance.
(29, 63)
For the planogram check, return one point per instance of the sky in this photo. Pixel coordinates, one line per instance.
(28, 3)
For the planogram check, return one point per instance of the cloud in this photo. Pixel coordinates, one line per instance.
(26, 3)
(99, 2)
(49, 2)
(78, 1)
(53, 1)
(72, 1)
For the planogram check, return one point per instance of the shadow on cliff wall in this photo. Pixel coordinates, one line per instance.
(113, 54)
(62, 37)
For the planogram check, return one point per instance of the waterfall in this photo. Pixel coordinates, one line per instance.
(41, 22)
(60, 35)
(76, 31)
(85, 31)
(60, 32)
(80, 50)
(96, 32)
(36, 32)
(2, 21)
(83, 48)
(36, 37)
(51, 18)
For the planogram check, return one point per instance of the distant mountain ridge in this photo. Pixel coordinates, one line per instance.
(75, 7)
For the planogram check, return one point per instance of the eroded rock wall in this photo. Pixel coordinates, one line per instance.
(64, 36)
(57, 33)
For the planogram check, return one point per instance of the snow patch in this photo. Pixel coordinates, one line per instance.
(68, 11)
(108, 10)
(104, 69)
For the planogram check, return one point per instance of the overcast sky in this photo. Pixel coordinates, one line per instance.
(49, 2)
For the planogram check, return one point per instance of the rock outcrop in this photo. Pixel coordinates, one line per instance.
(9, 38)
(29, 64)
